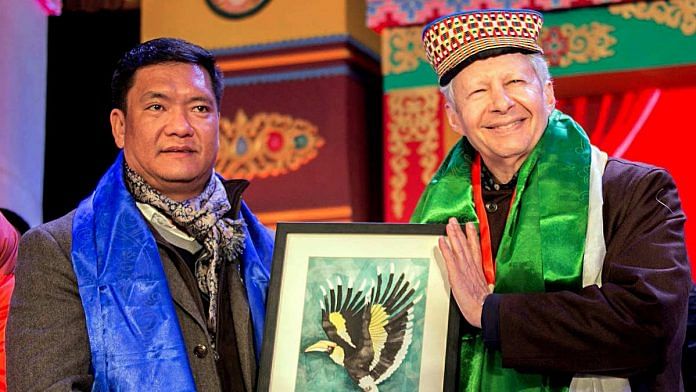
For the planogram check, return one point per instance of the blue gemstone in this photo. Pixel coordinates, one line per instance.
(241, 146)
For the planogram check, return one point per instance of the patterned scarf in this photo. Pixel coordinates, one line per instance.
(202, 217)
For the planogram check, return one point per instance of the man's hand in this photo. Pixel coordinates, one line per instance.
(462, 253)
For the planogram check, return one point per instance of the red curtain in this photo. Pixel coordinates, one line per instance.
(649, 125)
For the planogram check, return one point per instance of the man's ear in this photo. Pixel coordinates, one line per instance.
(118, 127)
(453, 118)
(549, 96)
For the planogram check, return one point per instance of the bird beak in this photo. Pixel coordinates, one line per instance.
(320, 346)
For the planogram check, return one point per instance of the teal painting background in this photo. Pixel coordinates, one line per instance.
(316, 371)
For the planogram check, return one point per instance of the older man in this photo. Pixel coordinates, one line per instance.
(156, 281)
(577, 276)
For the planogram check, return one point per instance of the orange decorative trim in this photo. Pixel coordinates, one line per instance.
(309, 214)
(279, 60)
(413, 118)
(267, 145)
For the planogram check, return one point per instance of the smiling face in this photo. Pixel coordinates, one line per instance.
(502, 108)
(169, 132)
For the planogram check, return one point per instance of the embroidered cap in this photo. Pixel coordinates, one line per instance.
(454, 41)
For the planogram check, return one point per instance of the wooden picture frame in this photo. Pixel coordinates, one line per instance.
(359, 306)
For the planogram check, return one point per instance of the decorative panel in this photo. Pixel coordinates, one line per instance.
(397, 13)
(302, 121)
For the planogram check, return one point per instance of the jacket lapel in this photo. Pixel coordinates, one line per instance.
(242, 328)
(177, 287)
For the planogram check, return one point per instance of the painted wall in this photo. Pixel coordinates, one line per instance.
(279, 20)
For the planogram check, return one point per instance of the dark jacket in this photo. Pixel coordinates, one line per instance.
(634, 325)
(47, 343)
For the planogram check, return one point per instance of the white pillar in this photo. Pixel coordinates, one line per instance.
(23, 52)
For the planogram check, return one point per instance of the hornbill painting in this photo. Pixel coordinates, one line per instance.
(369, 331)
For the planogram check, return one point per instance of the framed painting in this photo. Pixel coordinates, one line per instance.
(359, 307)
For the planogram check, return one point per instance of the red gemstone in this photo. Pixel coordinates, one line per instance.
(275, 141)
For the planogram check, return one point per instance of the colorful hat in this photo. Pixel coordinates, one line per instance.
(455, 41)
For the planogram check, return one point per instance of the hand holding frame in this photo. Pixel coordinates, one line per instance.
(462, 254)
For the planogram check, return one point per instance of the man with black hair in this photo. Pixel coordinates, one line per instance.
(157, 281)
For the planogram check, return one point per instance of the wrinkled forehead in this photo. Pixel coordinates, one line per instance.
(505, 66)
(178, 77)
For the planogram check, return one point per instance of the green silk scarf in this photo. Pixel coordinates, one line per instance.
(543, 241)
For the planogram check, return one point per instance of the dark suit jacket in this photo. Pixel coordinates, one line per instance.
(634, 325)
(47, 344)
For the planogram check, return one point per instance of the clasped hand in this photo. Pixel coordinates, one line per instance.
(462, 253)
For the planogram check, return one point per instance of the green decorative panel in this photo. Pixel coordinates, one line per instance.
(621, 37)
(640, 42)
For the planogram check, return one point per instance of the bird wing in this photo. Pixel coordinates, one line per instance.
(391, 326)
(378, 332)
(342, 316)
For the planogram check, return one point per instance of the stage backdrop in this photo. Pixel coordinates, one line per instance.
(23, 28)
(302, 102)
(626, 72)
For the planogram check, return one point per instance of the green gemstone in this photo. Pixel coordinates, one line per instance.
(300, 141)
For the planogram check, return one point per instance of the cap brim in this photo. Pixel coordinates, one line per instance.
(482, 55)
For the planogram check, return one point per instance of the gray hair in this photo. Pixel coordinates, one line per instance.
(541, 68)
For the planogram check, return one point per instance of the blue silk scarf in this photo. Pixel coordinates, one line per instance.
(135, 339)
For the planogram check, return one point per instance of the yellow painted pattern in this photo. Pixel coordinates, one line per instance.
(402, 49)
(677, 14)
(257, 159)
(413, 119)
(378, 321)
(339, 322)
(585, 43)
(279, 20)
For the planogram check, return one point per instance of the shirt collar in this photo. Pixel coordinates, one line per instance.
(489, 182)
(167, 229)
